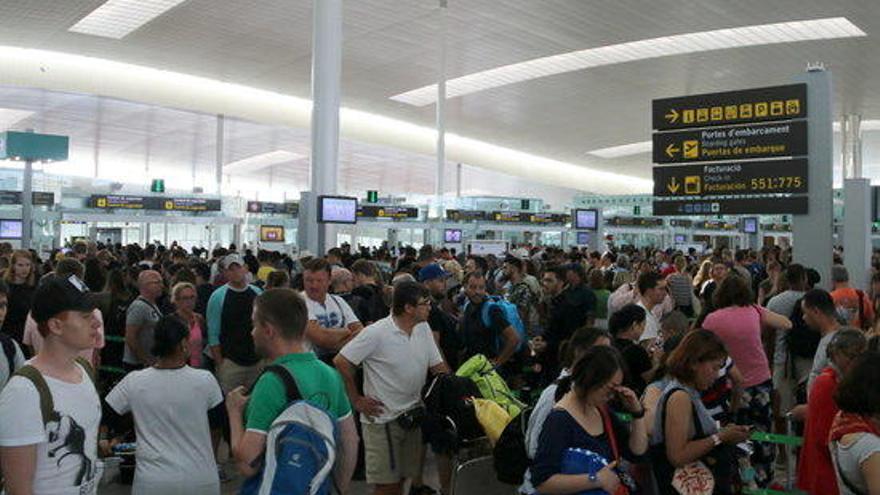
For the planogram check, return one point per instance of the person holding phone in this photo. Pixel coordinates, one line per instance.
(684, 432)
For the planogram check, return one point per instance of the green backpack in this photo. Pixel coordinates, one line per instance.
(480, 370)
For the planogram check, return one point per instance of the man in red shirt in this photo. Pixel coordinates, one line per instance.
(815, 467)
(852, 304)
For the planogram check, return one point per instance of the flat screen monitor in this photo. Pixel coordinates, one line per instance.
(583, 238)
(452, 236)
(10, 229)
(679, 239)
(337, 209)
(271, 233)
(586, 219)
(750, 225)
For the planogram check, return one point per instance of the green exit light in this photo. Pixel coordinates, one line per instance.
(158, 186)
(372, 196)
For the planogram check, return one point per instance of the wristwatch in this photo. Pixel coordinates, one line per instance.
(716, 440)
(638, 415)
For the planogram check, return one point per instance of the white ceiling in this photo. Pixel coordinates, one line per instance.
(134, 142)
(391, 46)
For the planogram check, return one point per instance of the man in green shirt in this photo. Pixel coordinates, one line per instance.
(280, 317)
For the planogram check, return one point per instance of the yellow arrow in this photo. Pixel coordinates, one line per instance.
(672, 116)
(671, 150)
(673, 186)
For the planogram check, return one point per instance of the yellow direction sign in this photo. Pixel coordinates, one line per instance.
(671, 150)
(673, 185)
(672, 116)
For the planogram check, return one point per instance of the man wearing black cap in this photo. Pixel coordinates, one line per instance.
(50, 410)
(443, 325)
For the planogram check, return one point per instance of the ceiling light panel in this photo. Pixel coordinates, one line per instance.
(118, 18)
(11, 116)
(765, 34)
(259, 162)
(622, 150)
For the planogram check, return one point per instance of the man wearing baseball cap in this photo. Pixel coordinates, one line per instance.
(442, 323)
(50, 410)
(229, 326)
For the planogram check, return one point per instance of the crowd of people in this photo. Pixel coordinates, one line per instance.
(668, 365)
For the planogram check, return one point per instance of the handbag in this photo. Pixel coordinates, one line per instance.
(693, 479)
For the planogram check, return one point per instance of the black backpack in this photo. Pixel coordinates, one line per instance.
(511, 458)
(451, 417)
(802, 341)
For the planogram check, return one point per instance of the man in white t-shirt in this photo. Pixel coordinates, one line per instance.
(332, 322)
(652, 288)
(392, 386)
(54, 451)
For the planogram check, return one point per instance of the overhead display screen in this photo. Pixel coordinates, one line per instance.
(452, 236)
(271, 233)
(10, 229)
(337, 209)
(750, 225)
(583, 238)
(586, 219)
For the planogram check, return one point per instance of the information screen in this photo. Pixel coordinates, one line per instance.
(452, 236)
(337, 209)
(271, 233)
(583, 238)
(586, 219)
(10, 229)
(679, 239)
(750, 225)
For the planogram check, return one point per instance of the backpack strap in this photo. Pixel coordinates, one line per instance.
(87, 366)
(47, 405)
(291, 390)
(9, 351)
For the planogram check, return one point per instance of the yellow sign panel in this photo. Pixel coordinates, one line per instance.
(687, 116)
(761, 109)
(102, 202)
(777, 108)
(691, 149)
(692, 184)
(169, 205)
(730, 112)
(702, 115)
(793, 107)
(717, 113)
(745, 111)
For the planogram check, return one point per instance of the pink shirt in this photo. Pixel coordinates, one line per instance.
(33, 338)
(739, 327)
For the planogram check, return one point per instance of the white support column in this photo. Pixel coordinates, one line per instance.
(440, 175)
(812, 233)
(856, 205)
(326, 75)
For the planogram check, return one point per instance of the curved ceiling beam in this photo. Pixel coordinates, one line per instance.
(57, 71)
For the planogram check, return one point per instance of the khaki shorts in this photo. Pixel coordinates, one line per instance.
(231, 374)
(391, 453)
(785, 386)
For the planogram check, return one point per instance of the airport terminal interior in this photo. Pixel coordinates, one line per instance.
(438, 247)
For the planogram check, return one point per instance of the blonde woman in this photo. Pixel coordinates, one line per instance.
(183, 296)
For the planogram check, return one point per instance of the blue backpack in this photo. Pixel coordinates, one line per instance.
(511, 314)
(300, 447)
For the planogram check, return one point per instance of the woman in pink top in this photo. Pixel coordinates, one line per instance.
(737, 321)
(183, 296)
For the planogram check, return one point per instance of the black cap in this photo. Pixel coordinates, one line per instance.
(57, 294)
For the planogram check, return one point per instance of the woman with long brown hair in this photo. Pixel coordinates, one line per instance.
(21, 277)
